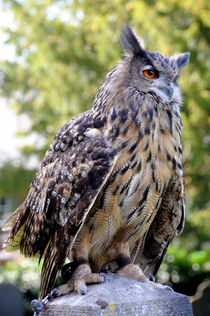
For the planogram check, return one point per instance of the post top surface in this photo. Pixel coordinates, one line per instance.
(117, 290)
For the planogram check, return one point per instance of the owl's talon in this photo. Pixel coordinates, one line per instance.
(167, 287)
(151, 277)
(161, 286)
(82, 290)
(56, 293)
(103, 277)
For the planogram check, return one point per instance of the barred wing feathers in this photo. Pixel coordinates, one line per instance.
(75, 168)
(168, 222)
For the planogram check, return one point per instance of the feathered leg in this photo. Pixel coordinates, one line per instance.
(81, 272)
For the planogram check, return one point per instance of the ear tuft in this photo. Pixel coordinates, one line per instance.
(130, 42)
(182, 59)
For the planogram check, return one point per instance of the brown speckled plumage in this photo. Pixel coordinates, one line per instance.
(111, 184)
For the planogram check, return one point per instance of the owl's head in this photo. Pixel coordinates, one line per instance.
(152, 72)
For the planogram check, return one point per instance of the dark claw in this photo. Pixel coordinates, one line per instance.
(104, 276)
(55, 293)
(83, 290)
(49, 297)
(151, 277)
(168, 288)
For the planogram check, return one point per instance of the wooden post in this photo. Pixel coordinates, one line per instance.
(120, 297)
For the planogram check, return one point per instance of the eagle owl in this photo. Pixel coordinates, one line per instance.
(109, 194)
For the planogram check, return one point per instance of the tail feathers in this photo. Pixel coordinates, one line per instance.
(55, 256)
(34, 235)
(29, 232)
(16, 226)
(12, 219)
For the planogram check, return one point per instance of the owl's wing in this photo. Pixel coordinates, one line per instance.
(168, 221)
(74, 170)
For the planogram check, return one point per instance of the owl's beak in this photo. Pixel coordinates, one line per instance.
(168, 91)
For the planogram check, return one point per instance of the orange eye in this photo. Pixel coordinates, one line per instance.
(150, 74)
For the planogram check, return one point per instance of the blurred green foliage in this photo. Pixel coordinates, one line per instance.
(24, 273)
(15, 180)
(185, 269)
(63, 51)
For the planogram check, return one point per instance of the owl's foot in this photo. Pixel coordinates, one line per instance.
(132, 271)
(81, 276)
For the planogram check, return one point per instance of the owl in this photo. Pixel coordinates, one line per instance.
(109, 195)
